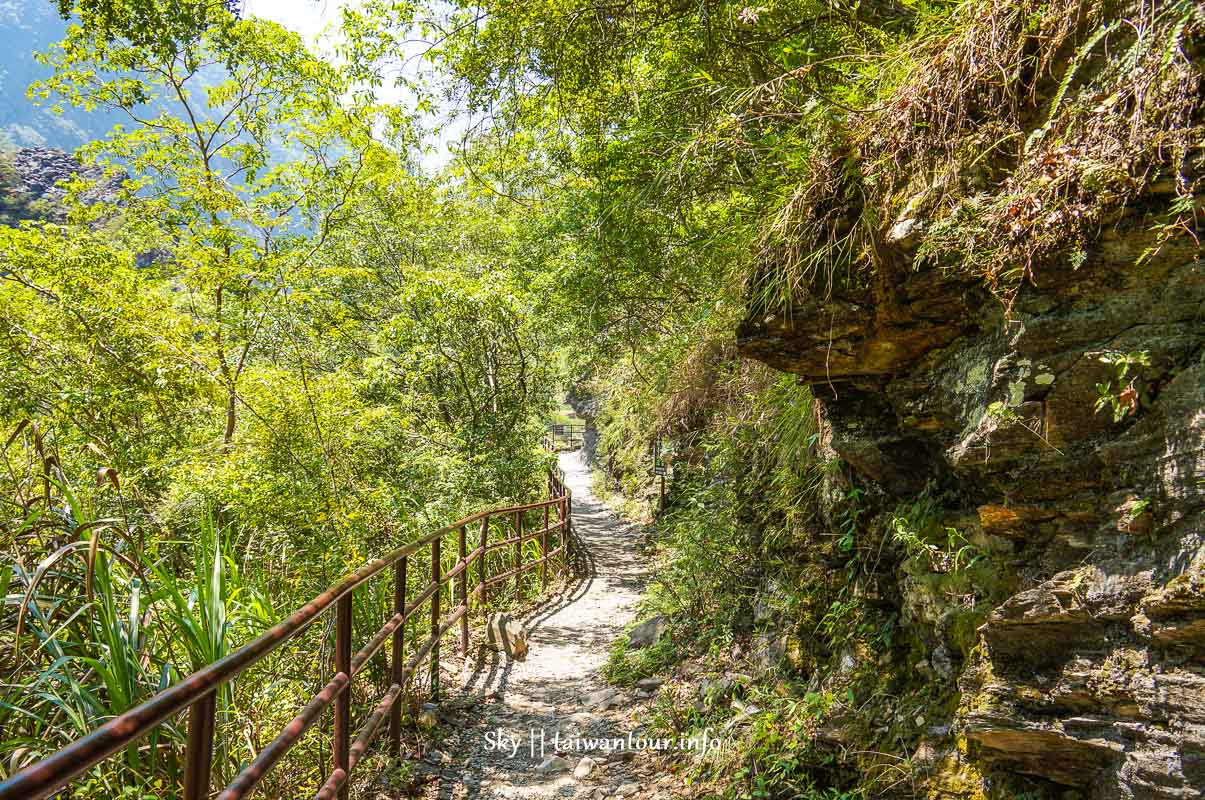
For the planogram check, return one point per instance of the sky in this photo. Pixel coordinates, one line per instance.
(317, 22)
(307, 17)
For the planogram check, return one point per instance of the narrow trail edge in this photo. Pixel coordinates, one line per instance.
(516, 710)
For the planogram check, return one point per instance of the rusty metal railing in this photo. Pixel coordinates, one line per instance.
(198, 691)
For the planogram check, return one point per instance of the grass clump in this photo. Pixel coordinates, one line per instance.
(625, 665)
(1042, 125)
(931, 546)
(1003, 137)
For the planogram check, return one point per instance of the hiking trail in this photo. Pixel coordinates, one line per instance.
(501, 725)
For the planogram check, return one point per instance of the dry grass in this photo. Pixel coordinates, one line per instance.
(1015, 135)
(1125, 114)
(813, 244)
(980, 75)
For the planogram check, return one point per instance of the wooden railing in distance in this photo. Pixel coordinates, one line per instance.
(197, 692)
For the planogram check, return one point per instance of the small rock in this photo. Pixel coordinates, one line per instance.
(943, 664)
(745, 713)
(1134, 516)
(902, 232)
(648, 632)
(507, 636)
(926, 753)
(627, 789)
(438, 757)
(649, 684)
(463, 703)
(583, 768)
(552, 765)
(602, 699)
(713, 691)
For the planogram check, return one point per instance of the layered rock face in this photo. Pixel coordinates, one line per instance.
(1017, 339)
(33, 189)
(1071, 428)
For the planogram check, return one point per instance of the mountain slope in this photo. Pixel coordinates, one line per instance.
(28, 27)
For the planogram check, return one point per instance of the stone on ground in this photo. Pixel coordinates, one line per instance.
(648, 633)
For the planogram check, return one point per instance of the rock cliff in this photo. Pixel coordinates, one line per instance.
(1062, 425)
(32, 180)
(1092, 674)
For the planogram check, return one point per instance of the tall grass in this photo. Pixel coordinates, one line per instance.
(99, 625)
(76, 635)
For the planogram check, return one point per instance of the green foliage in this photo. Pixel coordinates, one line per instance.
(930, 545)
(279, 352)
(1118, 96)
(743, 506)
(148, 23)
(626, 666)
(78, 662)
(660, 142)
(284, 349)
(849, 520)
(1123, 395)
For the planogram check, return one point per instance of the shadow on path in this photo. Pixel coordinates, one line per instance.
(530, 703)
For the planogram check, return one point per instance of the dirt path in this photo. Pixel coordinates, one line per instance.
(503, 725)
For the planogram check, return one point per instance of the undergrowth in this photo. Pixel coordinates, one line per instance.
(1006, 136)
(746, 503)
(781, 578)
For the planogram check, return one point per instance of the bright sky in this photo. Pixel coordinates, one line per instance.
(317, 21)
(307, 17)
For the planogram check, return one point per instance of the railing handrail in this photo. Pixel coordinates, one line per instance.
(58, 769)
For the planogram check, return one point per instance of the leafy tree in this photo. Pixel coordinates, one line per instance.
(245, 154)
(651, 147)
(279, 352)
(147, 23)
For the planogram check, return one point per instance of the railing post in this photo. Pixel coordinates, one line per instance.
(560, 524)
(518, 555)
(435, 579)
(544, 552)
(341, 746)
(399, 654)
(568, 531)
(462, 583)
(198, 759)
(481, 572)
(661, 504)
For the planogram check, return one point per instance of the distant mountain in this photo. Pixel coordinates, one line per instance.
(26, 27)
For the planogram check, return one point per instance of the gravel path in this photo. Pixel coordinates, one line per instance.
(502, 727)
